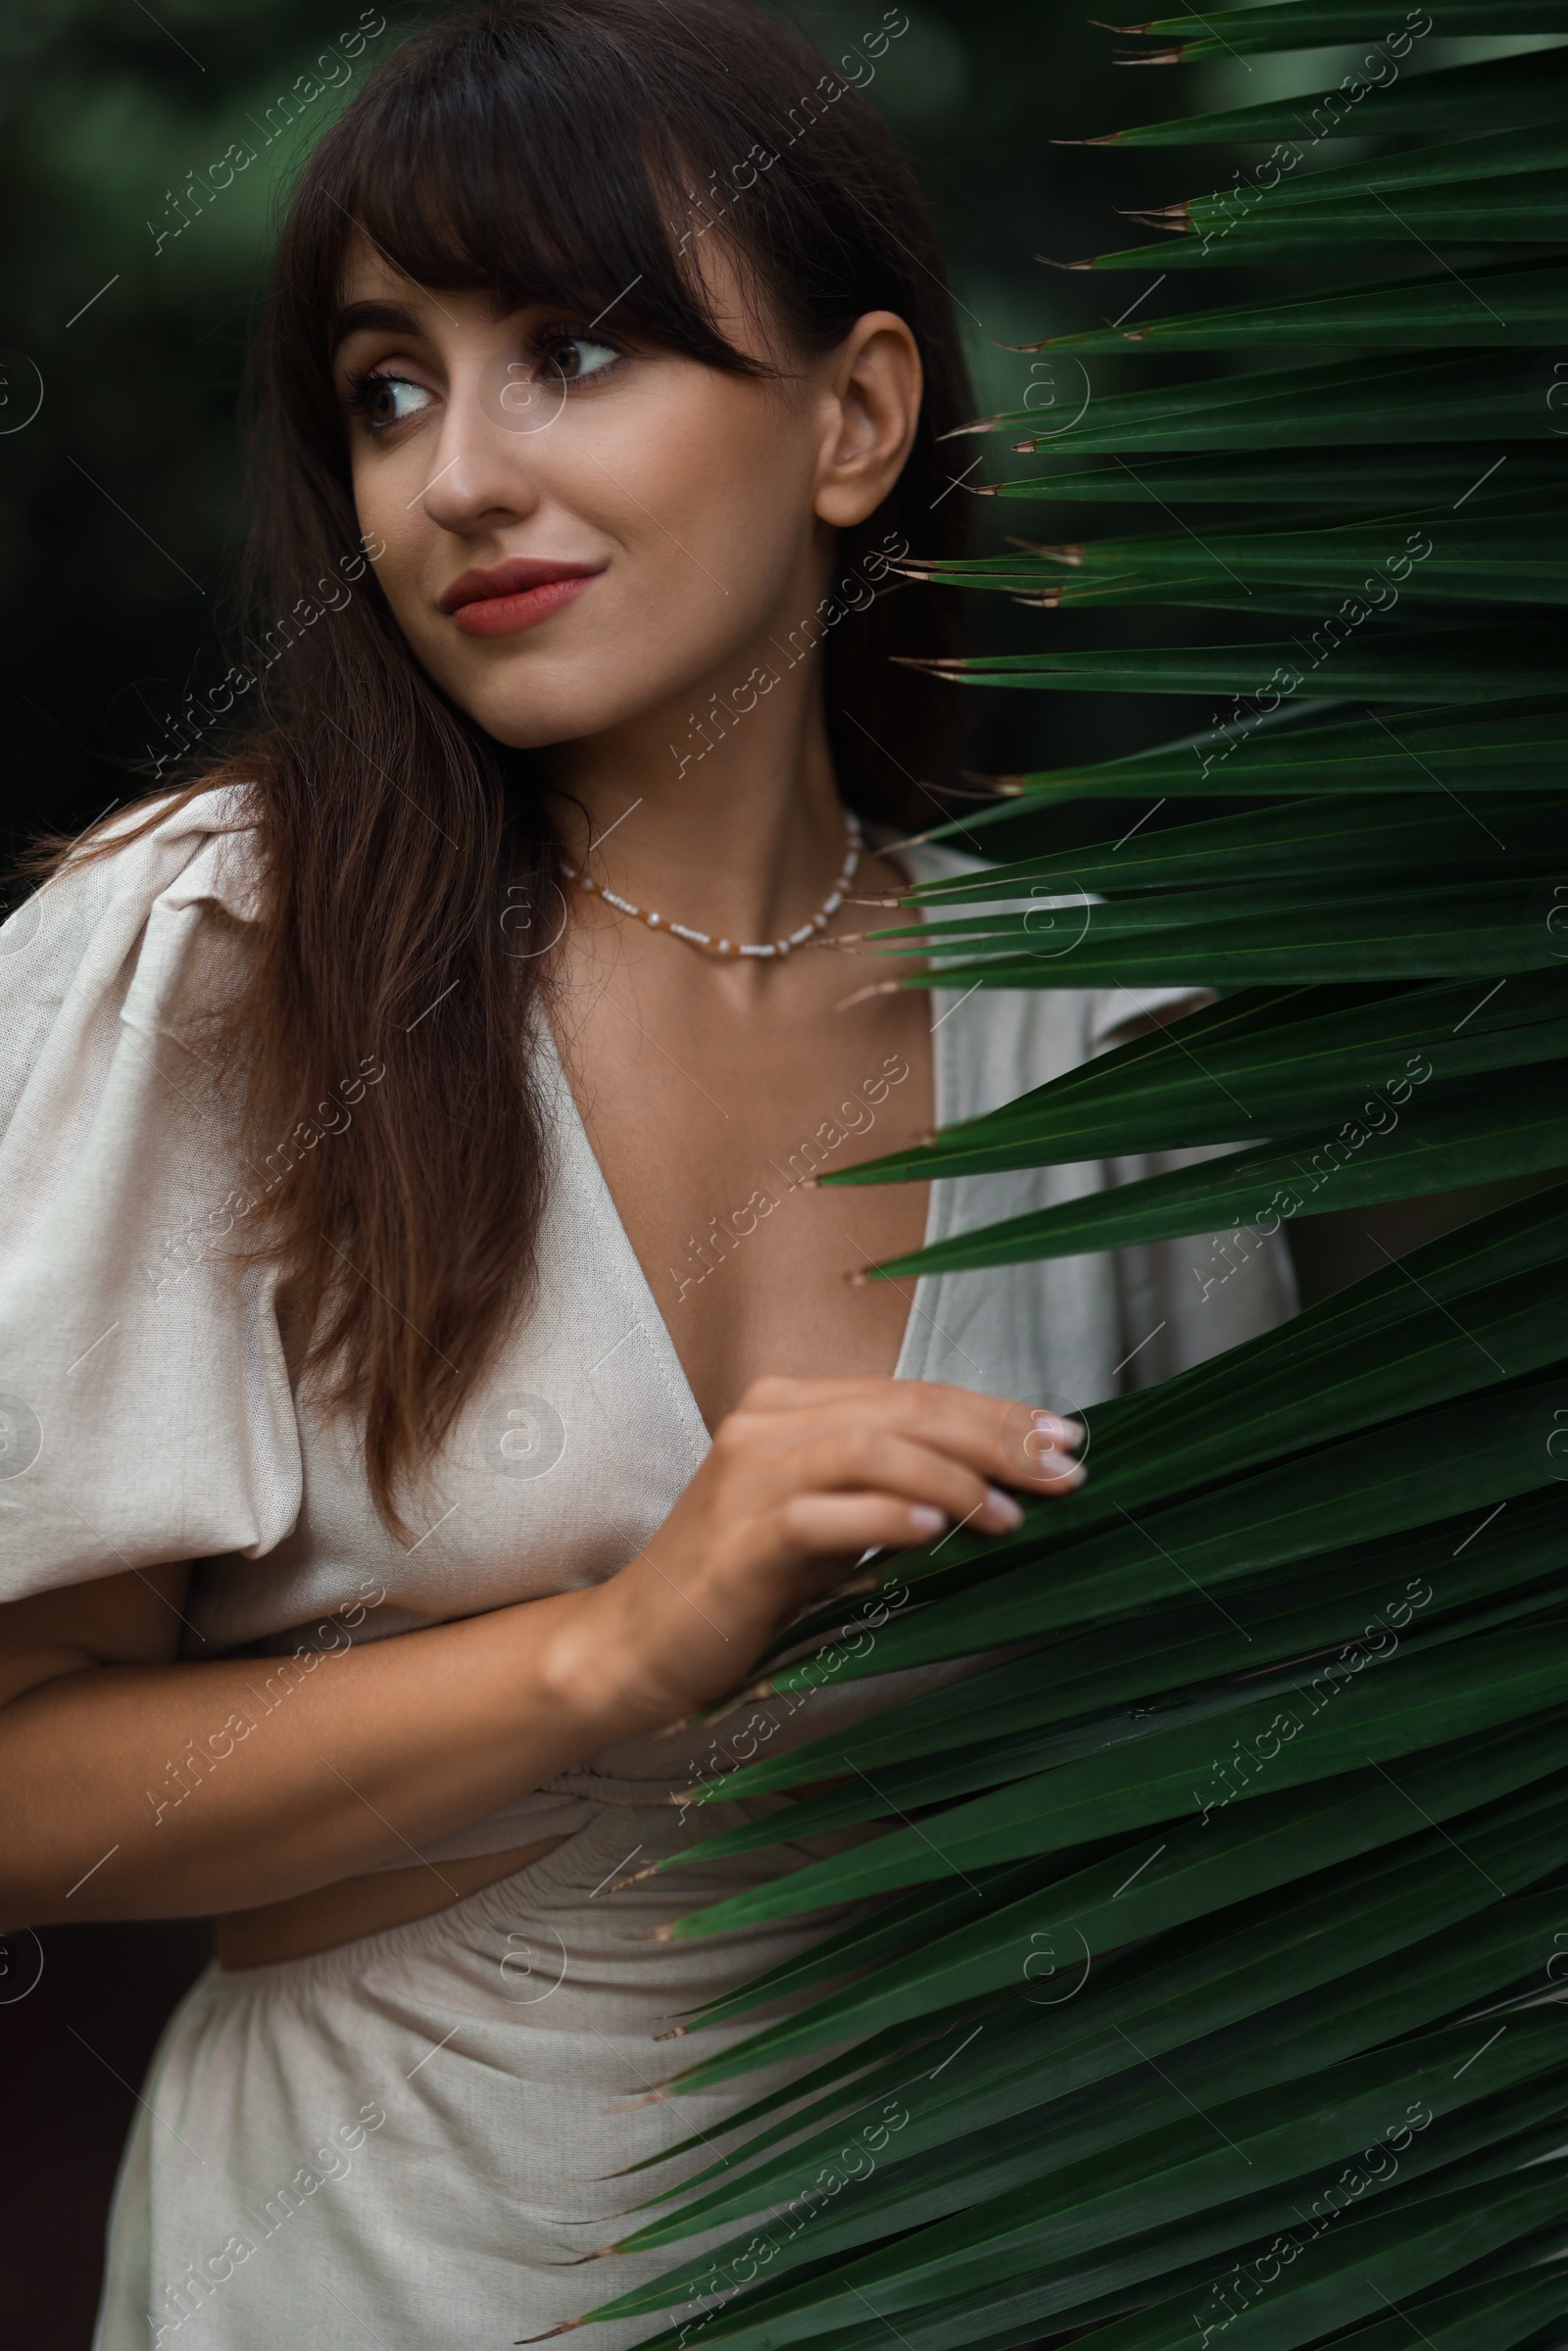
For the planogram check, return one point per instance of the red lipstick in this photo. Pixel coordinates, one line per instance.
(514, 595)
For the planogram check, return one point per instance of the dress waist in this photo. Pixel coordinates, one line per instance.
(660, 1772)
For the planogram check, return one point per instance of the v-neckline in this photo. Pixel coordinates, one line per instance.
(573, 1134)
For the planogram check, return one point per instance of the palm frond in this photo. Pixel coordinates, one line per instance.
(1206, 1978)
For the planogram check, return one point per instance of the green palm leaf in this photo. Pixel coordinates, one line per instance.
(1222, 2015)
(1131, 1662)
(1358, 834)
(1172, 2173)
(1258, 1057)
(1512, 90)
(1533, 210)
(1510, 551)
(1485, 748)
(1368, 659)
(1413, 477)
(1226, 1877)
(1394, 398)
(1507, 306)
(1477, 1130)
(951, 2152)
(1307, 23)
(1236, 1855)
(1476, 1307)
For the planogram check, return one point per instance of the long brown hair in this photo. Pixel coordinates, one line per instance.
(536, 149)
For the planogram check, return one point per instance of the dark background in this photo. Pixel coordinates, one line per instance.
(120, 512)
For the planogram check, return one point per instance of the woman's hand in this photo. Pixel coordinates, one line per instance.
(802, 1479)
(142, 1785)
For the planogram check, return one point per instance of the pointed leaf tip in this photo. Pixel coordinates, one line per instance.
(862, 994)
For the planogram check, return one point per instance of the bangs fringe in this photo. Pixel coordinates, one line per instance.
(465, 173)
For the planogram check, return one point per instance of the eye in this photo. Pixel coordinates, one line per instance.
(385, 399)
(572, 358)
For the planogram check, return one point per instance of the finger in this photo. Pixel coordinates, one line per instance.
(1021, 1444)
(837, 1523)
(1000, 1439)
(875, 1457)
(1055, 1473)
(781, 1393)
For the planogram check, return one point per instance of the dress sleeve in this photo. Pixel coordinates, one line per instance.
(1116, 1013)
(1175, 1302)
(146, 1413)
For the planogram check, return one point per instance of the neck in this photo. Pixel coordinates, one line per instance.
(731, 824)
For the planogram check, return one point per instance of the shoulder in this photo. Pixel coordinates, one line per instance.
(118, 918)
(143, 1360)
(132, 859)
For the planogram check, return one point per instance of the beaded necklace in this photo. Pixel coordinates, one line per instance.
(732, 947)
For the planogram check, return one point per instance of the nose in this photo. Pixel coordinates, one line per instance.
(483, 471)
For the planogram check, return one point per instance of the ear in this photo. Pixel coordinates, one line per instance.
(871, 406)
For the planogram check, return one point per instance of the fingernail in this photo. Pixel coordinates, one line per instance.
(1061, 1471)
(1060, 1432)
(1001, 1505)
(1057, 1465)
(926, 1522)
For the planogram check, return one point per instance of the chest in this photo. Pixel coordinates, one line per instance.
(585, 1431)
(713, 1122)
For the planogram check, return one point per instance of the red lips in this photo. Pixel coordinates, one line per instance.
(514, 594)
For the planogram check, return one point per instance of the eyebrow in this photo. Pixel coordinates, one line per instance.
(388, 318)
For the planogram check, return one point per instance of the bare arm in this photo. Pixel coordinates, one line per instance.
(139, 1785)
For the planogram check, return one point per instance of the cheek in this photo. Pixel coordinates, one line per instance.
(711, 504)
(732, 455)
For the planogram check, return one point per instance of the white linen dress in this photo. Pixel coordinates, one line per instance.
(400, 2141)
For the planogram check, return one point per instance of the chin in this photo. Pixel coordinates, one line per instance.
(527, 701)
(522, 701)
(529, 713)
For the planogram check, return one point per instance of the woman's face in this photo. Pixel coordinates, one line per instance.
(586, 533)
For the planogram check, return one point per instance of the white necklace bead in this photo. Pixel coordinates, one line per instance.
(727, 947)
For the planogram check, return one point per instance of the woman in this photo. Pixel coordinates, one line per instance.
(430, 1374)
